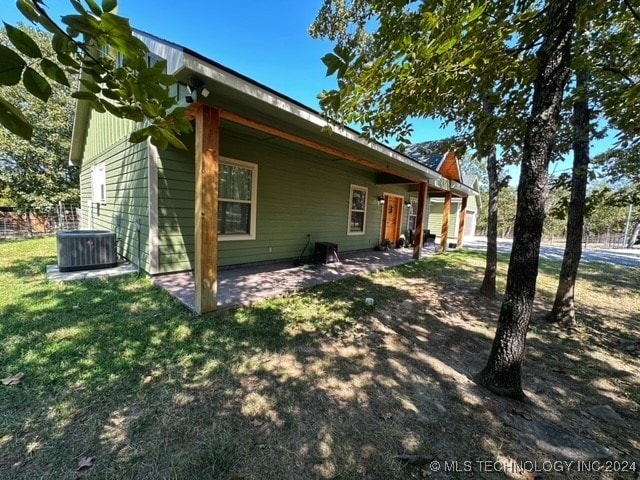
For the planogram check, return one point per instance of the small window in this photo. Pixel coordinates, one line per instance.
(237, 198)
(99, 184)
(413, 214)
(152, 59)
(357, 210)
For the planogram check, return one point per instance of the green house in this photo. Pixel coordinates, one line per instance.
(262, 176)
(463, 209)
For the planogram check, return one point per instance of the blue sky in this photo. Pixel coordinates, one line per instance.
(267, 41)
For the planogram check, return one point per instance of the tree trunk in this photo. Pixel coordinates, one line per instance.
(634, 235)
(563, 312)
(29, 223)
(502, 374)
(488, 287)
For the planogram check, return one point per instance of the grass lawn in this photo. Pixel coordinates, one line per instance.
(119, 376)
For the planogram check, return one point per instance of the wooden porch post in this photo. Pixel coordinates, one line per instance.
(445, 220)
(207, 130)
(463, 217)
(418, 238)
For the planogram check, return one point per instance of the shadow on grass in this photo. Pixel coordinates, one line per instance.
(314, 385)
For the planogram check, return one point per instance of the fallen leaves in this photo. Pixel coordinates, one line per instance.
(13, 380)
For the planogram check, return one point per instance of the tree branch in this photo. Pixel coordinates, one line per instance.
(617, 71)
(632, 10)
(44, 13)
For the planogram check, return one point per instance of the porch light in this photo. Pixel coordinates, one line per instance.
(381, 199)
(407, 203)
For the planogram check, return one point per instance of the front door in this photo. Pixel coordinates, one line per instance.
(392, 218)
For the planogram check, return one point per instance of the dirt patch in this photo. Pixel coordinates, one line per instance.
(397, 386)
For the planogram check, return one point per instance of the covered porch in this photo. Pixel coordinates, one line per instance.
(247, 285)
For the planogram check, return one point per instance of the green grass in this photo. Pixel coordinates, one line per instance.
(118, 370)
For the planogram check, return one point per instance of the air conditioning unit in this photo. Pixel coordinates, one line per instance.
(86, 250)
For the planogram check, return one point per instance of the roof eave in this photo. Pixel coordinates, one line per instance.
(248, 87)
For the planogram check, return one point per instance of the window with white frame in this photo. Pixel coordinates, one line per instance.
(413, 214)
(99, 184)
(357, 210)
(237, 198)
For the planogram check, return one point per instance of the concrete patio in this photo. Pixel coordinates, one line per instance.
(247, 285)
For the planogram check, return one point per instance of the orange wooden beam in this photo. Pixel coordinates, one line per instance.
(207, 132)
(463, 216)
(262, 127)
(445, 220)
(420, 216)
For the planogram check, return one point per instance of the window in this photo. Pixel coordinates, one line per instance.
(237, 195)
(413, 214)
(99, 184)
(357, 210)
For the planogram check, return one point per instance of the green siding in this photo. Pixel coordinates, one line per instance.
(176, 204)
(298, 194)
(472, 203)
(435, 219)
(105, 130)
(127, 195)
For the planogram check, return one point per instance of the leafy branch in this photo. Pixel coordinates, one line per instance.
(116, 75)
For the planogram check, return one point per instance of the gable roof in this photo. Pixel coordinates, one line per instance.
(431, 154)
(235, 91)
(423, 153)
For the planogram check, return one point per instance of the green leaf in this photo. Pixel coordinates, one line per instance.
(54, 72)
(97, 106)
(110, 94)
(109, 5)
(14, 121)
(67, 61)
(139, 136)
(81, 23)
(11, 66)
(78, 6)
(90, 85)
(84, 96)
(94, 7)
(140, 93)
(333, 63)
(36, 84)
(28, 11)
(476, 12)
(446, 46)
(151, 109)
(22, 41)
(168, 135)
(115, 25)
(112, 109)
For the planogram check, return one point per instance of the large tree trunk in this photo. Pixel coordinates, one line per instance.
(502, 374)
(564, 312)
(488, 287)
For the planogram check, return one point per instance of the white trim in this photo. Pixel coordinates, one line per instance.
(353, 187)
(164, 50)
(154, 240)
(254, 200)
